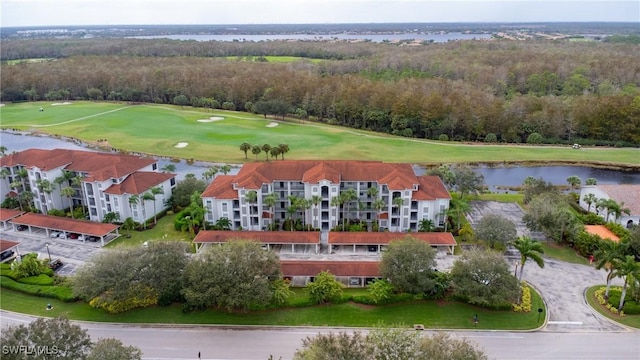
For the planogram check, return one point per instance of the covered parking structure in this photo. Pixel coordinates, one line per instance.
(6, 215)
(374, 242)
(349, 272)
(8, 250)
(282, 241)
(35, 223)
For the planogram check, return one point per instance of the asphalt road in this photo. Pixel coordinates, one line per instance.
(164, 343)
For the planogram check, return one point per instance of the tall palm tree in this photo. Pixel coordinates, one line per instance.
(133, 200)
(58, 181)
(372, 192)
(590, 199)
(23, 174)
(398, 202)
(378, 205)
(275, 151)
(458, 209)
(284, 148)
(628, 269)
(4, 175)
(77, 181)
(3, 150)
(69, 192)
(337, 201)
(270, 201)
(529, 249)
(591, 181)
(245, 147)
(617, 209)
(15, 185)
(251, 197)
(45, 187)
(156, 190)
(255, 150)
(348, 196)
(574, 181)
(145, 197)
(607, 256)
(266, 148)
(225, 169)
(316, 200)
(210, 173)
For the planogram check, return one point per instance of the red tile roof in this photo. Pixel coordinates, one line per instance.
(221, 188)
(627, 193)
(8, 214)
(65, 224)
(139, 182)
(6, 245)
(381, 238)
(602, 232)
(98, 166)
(266, 237)
(431, 188)
(397, 176)
(338, 268)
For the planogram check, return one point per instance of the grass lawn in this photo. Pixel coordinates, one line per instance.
(156, 129)
(515, 197)
(445, 315)
(563, 253)
(164, 230)
(629, 320)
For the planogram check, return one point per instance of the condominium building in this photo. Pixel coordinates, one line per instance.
(126, 185)
(390, 195)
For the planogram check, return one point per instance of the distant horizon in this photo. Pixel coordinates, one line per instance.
(48, 13)
(326, 23)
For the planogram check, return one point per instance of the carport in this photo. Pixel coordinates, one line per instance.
(50, 223)
(6, 215)
(294, 240)
(349, 273)
(376, 241)
(8, 250)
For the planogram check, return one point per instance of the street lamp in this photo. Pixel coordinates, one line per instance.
(48, 252)
(515, 272)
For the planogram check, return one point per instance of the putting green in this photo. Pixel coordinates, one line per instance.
(156, 129)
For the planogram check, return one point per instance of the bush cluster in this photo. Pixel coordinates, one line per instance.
(62, 293)
(630, 307)
(525, 303)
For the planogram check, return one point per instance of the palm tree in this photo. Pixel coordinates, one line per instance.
(169, 168)
(618, 209)
(223, 223)
(591, 181)
(210, 173)
(270, 201)
(607, 256)
(58, 181)
(275, 151)
(77, 181)
(378, 205)
(146, 196)
(4, 175)
(23, 174)
(225, 169)
(574, 181)
(245, 147)
(45, 186)
(589, 199)
(3, 150)
(628, 269)
(251, 197)
(27, 197)
(295, 204)
(69, 192)
(157, 190)
(398, 202)
(316, 200)
(426, 225)
(372, 192)
(529, 249)
(458, 209)
(348, 196)
(338, 201)
(284, 148)
(266, 148)
(133, 200)
(255, 150)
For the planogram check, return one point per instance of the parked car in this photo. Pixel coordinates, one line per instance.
(93, 238)
(73, 236)
(6, 255)
(55, 234)
(55, 264)
(62, 235)
(22, 227)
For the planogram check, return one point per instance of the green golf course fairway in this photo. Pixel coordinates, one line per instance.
(157, 129)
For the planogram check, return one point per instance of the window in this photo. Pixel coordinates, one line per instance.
(224, 206)
(173, 181)
(107, 197)
(314, 189)
(154, 166)
(425, 210)
(115, 202)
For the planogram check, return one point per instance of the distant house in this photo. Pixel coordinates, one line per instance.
(102, 182)
(390, 194)
(627, 195)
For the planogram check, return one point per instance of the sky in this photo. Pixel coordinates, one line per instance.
(134, 12)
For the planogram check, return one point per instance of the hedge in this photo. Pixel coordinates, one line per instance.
(42, 280)
(61, 293)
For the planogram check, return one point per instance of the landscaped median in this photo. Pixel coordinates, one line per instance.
(431, 314)
(631, 309)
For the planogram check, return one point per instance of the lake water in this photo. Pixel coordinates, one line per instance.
(493, 176)
(438, 38)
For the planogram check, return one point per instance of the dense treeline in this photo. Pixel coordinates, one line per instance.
(585, 92)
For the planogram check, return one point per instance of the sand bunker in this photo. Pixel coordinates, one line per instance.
(211, 119)
(273, 124)
(63, 103)
(182, 144)
(1, 105)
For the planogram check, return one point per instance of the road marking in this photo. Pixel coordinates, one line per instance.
(565, 322)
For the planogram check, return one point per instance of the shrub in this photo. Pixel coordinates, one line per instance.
(630, 307)
(42, 280)
(443, 137)
(144, 296)
(525, 303)
(534, 138)
(62, 293)
(491, 138)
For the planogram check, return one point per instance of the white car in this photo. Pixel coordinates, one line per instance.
(55, 234)
(62, 235)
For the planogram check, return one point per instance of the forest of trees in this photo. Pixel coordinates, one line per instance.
(493, 91)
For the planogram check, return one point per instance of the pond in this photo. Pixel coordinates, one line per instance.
(502, 176)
